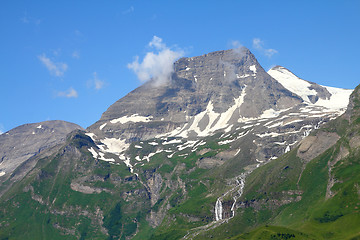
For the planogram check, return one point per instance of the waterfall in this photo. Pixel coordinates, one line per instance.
(218, 210)
(233, 208)
(236, 191)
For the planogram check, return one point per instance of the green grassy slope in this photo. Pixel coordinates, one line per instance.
(44, 206)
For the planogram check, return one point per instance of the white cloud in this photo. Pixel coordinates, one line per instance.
(29, 20)
(258, 44)
(269, 52)
(55, 68)
(237, 47)
(95, 82)
(157, 43)
(75, 54)
(1, 129)
(70, 93)
(157, 65)
(236, 44)
(129, 10)
(56, 52)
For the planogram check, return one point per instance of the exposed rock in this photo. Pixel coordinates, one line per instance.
(26, 141)
(86, 189)
(155, 183)
(355, 142)
(312, 146)
(208, 163)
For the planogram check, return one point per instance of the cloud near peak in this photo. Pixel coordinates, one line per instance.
(55, 68)
(157, 64)
(258, 44)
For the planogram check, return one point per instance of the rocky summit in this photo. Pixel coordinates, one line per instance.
(222, 149)
(224, 91)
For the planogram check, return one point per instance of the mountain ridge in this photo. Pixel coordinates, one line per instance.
(194, 158)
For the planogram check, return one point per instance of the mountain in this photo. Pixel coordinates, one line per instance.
(20, 144)
(224, 91)
(213, 82)
(220, 150)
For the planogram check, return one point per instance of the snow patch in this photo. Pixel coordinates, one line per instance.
(172, 142)
(114, 145)
(133, 118)
(171, 155)
(253, 68)
(186, 145)
(102, 157)
(91, 135)
(93, 152)
(102, 126)
(293, 121)
(272, 113)
(287, 149)
(183, 155)
(338, 101)
(272, 134)
(128, 164)
(226, 141)
(242, 76)
(275, 125)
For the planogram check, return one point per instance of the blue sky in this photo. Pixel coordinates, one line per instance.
(69, 60)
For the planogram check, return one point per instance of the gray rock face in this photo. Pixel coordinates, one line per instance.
(221, 79)
(26, 141)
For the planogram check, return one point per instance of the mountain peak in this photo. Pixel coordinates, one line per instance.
(212, 91)
(26, 141)
(310, 92)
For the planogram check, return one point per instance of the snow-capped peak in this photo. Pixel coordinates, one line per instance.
(338, 100)
(291, 82)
